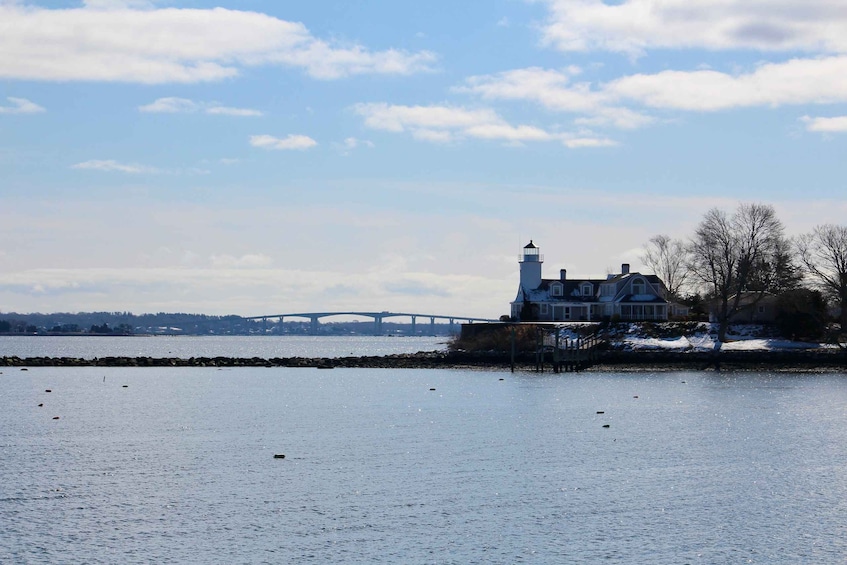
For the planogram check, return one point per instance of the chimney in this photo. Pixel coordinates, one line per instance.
(563, 274)
(625, 269)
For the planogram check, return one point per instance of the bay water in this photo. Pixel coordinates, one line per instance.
(177, 465)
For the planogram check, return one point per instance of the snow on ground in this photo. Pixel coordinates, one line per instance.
(704, 338)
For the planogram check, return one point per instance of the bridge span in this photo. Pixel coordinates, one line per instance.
(377, 317)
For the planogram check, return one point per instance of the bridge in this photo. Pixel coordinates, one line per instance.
(377, 317)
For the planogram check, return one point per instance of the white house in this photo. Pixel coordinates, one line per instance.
(627, 296)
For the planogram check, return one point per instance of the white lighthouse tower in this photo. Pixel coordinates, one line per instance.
(530, 262)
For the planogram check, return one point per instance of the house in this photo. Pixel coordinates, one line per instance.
(628, 296)
(753, 308)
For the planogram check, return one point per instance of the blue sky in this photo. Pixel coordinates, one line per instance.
(259, 157)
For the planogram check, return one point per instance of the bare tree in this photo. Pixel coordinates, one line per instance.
(824, 256)
(731, 255)
(668, 259)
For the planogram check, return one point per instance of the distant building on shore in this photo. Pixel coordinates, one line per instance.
(626, 296)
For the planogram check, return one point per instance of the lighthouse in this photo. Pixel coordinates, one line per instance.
(530, 263)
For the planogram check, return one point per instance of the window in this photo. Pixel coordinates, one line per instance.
(638, 286)
(557, 289)
(607, 290)
(544, 309)
(587, 289)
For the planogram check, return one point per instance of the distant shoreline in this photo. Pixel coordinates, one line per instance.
(791, 360)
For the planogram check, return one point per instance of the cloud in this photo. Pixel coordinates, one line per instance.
(555, 90)
(169, 105)
(113, 166)
(353, 143)
(116, 41)
(634, 26)
(441, 124)
(825, 125)
(292, 141)
(21, 106)
(249, 261)
(173, 105)
(793, 82)
(797, 81)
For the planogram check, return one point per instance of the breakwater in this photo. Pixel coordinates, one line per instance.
(818, 359)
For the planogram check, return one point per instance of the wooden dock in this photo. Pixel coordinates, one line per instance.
(566, 354)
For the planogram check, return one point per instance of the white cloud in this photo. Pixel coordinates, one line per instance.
(292, 141)
(249, 261)
(589, 142)
(237, 112)
(634, 26)
(169, 105)
(793, 82)
(21, 106)
(554, 90)
(442, 124)
(837, 124)
(174, 105)
(117, 41)
(353, 143)
(797, 81)
(112, 166)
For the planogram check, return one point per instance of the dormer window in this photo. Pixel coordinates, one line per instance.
(556, 289)
(639, 286)
(587, 289)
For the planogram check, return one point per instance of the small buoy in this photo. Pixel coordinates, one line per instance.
(600, 412)
(605, 425)
(279, 456)
(47, 390)
(55, 417)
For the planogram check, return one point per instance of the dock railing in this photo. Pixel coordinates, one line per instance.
(566, 354)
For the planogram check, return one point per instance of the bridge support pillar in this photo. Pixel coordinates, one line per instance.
(432, 326)
(377, 325)
(414, 331)
(313, 330)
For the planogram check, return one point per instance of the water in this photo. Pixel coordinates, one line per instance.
(266, 347)
(178, 467)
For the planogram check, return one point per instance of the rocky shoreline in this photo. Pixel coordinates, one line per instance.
(609, 360)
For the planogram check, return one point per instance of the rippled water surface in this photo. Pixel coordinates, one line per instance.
(89, 347)
(177, 467)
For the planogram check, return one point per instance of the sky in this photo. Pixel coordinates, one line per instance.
(255, 157)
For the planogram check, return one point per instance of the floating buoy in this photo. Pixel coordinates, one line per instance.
(279, 456)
